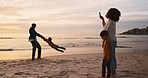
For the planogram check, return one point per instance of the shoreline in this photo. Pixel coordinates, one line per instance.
(67, 55)
(14, 55)
(26, 54)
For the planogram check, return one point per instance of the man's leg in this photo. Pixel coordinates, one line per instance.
(39, 50)
(33, 49)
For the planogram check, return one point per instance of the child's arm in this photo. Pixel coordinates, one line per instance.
(45, 39)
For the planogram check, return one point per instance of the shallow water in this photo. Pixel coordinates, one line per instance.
(20, 47)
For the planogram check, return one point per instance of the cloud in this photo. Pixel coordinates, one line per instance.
(69, 11)
(9, 11)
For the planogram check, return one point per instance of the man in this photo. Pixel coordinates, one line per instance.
(34, 42)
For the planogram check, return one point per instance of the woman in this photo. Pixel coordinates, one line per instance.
(113, 16)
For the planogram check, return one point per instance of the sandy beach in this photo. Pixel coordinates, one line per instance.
(130, 65)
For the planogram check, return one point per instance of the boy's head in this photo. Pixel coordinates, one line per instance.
(49, 38)
(104, 34)
(113, 14)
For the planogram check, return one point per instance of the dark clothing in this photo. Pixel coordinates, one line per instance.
(35, 45)
(56, 47)
(33, 34)
(105, 65)
(34, 42)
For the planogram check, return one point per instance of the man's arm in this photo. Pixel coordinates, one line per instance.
(39, 35)
(44, 38)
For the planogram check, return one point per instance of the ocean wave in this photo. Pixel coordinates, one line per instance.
(91, 38)
(81, 37)
(80, 44)
(13, 38)
(6, 49)
(70, 38)
(21, 49)
(122, 37)
(7, 37)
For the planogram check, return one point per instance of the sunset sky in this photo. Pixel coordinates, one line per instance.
(69, 15)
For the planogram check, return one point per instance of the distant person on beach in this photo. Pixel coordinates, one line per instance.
(113, 16)
(107, 54)
(34, 42)
(50, 43)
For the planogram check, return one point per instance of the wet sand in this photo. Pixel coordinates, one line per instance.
(130, 65)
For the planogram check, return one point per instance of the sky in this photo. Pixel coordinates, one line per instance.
(69, 16)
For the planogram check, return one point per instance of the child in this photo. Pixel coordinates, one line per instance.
(107, 54)
(50, 43)
(113, 16)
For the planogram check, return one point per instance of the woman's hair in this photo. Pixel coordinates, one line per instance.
(113, 14)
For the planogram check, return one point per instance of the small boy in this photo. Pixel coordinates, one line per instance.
(107, 54)
(50, 43)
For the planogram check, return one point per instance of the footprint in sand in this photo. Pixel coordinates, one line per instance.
(22, 73)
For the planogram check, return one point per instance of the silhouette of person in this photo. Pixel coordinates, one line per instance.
(34, 42)
(50, 43)
(113, 16)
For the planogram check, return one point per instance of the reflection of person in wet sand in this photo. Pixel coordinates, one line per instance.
(50, 43)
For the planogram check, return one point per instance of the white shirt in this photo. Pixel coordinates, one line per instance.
(111, 28)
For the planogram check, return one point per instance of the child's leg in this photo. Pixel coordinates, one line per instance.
(108, 70)
(56, 48)
(59, 50)
(103, 68)
(62, 48)
(59, 47)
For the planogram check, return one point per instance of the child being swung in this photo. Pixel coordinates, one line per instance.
(50, 43)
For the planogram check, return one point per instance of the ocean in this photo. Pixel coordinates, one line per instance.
(15, 47)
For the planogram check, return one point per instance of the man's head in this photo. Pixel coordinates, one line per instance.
(104, 34)
(33, 25)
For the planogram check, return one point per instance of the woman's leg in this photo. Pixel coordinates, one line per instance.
(113, 64)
